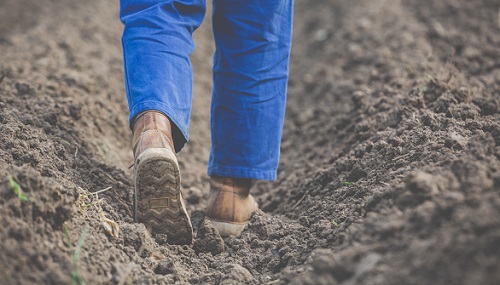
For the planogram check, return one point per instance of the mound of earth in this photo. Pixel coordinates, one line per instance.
(390, 166)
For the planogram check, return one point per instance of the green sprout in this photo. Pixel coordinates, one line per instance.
(347, 183)
(76, 278)
(17, 189)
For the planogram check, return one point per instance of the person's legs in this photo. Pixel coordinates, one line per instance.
(157, 43)
(156, 46)
(250, 72)
(250, 69)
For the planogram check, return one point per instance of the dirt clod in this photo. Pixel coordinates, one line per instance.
(208, 239)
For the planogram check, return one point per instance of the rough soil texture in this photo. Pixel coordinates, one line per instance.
(390, 168)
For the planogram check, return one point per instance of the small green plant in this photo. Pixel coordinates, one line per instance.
(17, 189)
(76, 278)
(334, 223)
(347, 183)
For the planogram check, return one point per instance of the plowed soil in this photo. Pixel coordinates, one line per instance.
(390, 165)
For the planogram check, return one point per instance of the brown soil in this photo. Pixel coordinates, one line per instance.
(390, 168)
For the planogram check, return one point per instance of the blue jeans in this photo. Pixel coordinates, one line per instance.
(250, 74)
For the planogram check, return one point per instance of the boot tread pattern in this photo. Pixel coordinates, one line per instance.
(158, 200)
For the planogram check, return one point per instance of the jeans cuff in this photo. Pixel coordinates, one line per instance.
(241, 172)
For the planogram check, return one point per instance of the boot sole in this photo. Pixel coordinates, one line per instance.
(158, 201)
(227, 229)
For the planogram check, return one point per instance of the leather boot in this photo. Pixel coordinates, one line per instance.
(230, 204)
(158, 201)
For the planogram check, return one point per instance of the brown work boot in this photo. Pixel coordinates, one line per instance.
(158, 201)
(230, 204)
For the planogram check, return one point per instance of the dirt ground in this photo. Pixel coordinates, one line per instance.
(390, 165)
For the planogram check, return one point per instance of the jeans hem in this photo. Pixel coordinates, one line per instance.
(240, 172)
(165, 109)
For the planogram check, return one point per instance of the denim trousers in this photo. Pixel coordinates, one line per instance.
(250, 74)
